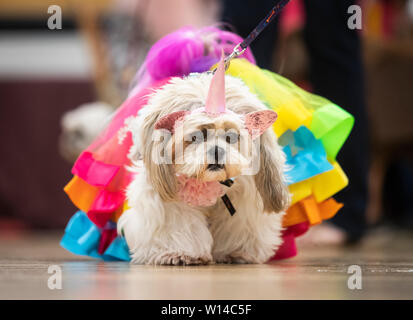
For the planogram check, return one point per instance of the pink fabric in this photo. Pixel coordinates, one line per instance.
(184, 51)
(94, 172)
(104, 162)
(129, 108)
(108, 235)
(107, 201)
(197, 193)
(100, 219)
(288, 248)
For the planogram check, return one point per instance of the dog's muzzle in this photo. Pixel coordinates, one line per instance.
(215, 167)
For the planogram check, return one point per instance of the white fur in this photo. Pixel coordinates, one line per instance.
(161, 230)
(158, 232)
(250, 235)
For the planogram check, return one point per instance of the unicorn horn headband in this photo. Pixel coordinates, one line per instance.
(215, 101)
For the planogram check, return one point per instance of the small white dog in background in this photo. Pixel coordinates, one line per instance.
(160, 227)
(81, 126)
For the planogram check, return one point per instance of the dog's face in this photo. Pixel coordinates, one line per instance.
(210, 148)
(173, 139)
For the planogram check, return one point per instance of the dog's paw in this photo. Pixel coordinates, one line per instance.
(237, 258)
(182, 259)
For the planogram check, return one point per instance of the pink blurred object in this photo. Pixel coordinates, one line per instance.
(292, 17)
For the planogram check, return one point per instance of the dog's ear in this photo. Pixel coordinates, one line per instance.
(160, 175)
(259, 121)
(270, 178)
(168, 122)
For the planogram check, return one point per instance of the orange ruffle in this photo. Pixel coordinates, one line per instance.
(309, 210)
(81, 193)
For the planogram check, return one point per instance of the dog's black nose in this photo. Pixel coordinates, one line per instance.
(217, 153)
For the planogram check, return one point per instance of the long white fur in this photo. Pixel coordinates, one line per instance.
(160, 231)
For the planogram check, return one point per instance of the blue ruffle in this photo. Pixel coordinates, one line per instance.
(82, 237)
(306, 156)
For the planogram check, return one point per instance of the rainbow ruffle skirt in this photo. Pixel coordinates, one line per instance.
(311, 130)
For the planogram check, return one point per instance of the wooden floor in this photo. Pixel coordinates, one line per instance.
(385, 258)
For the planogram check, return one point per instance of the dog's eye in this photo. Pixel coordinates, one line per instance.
(197, 137)
(231, 137)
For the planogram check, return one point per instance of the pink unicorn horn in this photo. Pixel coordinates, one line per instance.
(215, 102)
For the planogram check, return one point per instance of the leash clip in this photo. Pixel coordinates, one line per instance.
(234, 54)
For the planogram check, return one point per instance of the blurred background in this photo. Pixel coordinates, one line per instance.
(58, 86)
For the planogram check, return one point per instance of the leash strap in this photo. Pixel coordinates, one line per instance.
(228, 204)
(225, 198)
(241, 47)
(264, 23)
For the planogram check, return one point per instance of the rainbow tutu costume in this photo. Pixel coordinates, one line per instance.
(310, 129)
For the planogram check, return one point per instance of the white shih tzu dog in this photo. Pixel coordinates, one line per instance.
(196, 136)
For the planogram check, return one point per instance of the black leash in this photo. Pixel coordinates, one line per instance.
(264, 23)
(241, 47)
